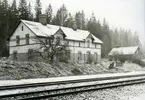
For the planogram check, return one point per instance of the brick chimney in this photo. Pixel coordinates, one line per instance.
(43, 19)
(74, 26)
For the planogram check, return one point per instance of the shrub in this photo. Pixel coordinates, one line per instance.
(122, 60)
(76, 71)
(139, 61)
(63, 58)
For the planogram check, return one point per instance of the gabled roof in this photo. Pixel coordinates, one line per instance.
(123, 51)
(48, 30)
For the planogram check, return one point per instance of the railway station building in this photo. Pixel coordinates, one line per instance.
(83, 45)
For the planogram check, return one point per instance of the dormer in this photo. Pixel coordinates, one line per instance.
(90, 38)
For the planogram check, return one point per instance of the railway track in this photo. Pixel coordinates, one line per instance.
(42, 90)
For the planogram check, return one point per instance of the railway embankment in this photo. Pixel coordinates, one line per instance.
(10, 70)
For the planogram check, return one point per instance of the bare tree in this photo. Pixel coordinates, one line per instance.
(51, 47)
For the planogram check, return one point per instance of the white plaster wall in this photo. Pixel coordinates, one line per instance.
(21, 33)
(18, 31)
(23, 49)
(74, 45)
(23, 42)
(85, 50)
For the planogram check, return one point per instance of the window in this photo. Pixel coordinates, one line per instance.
(68, 53)
(22, 28)
(67, 43)
(88, 44)
(17, 40)
(30, 52)
(27, 38)
(88, 57)
(58, 38)
(73, 43)
(46, 41)
(15, 55)
(96, 57)
(79, 44)
(92, 40)
(95, 45)
(79, 55)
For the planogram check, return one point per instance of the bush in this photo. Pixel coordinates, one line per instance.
(76, 71)
(139, 62)
(63, 58)
(122, 60)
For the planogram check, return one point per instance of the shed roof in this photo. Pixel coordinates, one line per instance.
(48, 30)
(123, 51)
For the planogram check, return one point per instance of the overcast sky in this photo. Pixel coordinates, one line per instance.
(129, 14)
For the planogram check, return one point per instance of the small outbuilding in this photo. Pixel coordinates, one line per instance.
(125, 53)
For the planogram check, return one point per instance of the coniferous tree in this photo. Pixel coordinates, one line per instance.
(106, 38)
(4, 25)
(38, 8)
(23, 9)
(56, 19)
(5, 4)
(69, 21)
(83, 20)
(30, 15)
(49, 14)
(94, 27)
(13, 16)
(63, 15)
(78, 20)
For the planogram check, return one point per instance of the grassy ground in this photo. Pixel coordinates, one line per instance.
(26, 70)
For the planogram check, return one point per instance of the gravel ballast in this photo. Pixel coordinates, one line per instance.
(120, 93)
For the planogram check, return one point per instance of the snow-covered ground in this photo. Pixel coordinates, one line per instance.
(10, 70)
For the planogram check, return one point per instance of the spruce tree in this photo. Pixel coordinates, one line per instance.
(23, 9)
(5, 4)
(69, 21)
(49, 14)
(30, 15)
(37, 10)
(94, 27)
(63, 15)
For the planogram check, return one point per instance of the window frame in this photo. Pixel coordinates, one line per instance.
(27, 37)
(79, 44)
(17, 40)
(80, 55)
(88, 44)
(22, 28)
